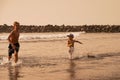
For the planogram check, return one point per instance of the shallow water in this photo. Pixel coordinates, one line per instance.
(48, 60)
(103, 67)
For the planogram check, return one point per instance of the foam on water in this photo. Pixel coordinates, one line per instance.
(16, 64)
(42, 36)
(4, 37)
(47, 36)
(4, 61)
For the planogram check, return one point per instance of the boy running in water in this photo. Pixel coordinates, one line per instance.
(13, 39)
(71, 42)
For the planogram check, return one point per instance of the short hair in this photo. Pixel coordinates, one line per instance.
(70, 35)
(16, 23)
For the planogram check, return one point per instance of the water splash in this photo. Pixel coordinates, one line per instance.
(4, 61)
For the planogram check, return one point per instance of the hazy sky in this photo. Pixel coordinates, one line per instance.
(58, 12)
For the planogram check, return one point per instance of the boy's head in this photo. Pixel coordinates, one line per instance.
(16, 25)
(70, 36)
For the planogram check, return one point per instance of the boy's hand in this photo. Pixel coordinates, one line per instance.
(80, 42)
(13, 46)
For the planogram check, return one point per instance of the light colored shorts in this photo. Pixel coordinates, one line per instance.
(71, 50)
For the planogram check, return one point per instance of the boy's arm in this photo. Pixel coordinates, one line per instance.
(11, 34)
(78, 41)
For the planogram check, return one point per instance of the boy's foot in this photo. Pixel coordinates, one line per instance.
(14, 64)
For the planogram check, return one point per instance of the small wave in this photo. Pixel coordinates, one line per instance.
(41, 36)
(3, 37)
(47, 36)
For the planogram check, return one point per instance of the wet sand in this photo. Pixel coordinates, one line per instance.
(49, 60)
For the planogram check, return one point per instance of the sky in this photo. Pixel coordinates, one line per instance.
(58, 12)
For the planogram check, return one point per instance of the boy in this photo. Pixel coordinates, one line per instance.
(13, 42)
(71, 42)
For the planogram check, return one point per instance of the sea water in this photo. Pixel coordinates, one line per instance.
(44, 56)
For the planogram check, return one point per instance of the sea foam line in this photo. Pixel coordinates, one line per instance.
(38, 36)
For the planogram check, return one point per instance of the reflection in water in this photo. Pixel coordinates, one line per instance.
(13, 72)
(72, 70)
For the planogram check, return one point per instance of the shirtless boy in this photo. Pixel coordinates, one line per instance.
(13, 39)
(71, 42)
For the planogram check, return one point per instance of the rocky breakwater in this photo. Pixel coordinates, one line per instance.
(62, 28)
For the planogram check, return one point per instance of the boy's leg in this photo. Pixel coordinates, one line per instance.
(9, 57)
(71, 52)
(16, 53)
(16, 57)
(10, 51)
(70, 55)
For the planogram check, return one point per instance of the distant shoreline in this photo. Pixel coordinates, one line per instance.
(63, 28)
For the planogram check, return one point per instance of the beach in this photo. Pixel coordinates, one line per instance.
(46, 57)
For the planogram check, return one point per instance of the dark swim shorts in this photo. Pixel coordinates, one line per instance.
(11, 50)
